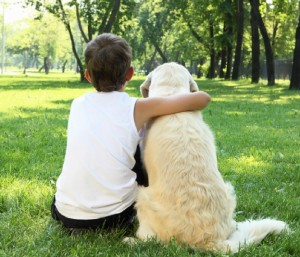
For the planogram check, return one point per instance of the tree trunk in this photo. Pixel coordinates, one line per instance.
(267, 43)
(229, 62)
(199, 38)
(105, 17)
(255, 71)
(211, 71)
(89, 22)
(295, 78)
(46, 65)
(223, 63)
(274, 34)
(24, 61)
(229, 49)
(160, 52)
(86, 39)
(149, 65)
(64, 66)
(113, 16)
(239, 40)
(68, 27)
(223, 53)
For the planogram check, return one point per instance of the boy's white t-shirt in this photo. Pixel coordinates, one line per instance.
(96, 179)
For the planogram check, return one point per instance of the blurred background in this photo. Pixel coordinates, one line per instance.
(213, 38)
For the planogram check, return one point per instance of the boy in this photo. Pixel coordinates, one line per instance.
(97, 187)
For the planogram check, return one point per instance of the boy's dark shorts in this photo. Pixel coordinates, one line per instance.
(123, 220)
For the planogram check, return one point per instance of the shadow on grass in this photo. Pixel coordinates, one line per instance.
(30, 83)
(225, 89)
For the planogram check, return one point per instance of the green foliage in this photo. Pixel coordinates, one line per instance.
(36, 39)
(258, 142)
(281, 21)
(93, 14)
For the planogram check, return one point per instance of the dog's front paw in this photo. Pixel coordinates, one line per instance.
(130, 240)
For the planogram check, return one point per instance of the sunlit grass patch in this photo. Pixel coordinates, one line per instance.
(248, 164)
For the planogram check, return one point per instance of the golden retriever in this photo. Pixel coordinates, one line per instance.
(187, 198)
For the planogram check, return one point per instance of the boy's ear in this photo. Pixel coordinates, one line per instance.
(129, 74)
(87, 76)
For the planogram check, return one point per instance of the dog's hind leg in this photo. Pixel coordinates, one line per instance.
(145, 232)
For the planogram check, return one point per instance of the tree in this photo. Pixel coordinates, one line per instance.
(255, 46)
(267, 43)
(239, 40)
(212, 68)
(223, 57)
(295, 78)
(228, 29)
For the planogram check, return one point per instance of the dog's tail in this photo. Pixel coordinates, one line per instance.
(253, 232)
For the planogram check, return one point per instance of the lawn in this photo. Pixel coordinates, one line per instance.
(257, 131)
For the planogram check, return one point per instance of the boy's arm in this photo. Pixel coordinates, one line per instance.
(147, 108)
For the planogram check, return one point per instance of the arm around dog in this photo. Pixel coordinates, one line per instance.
(147, 108)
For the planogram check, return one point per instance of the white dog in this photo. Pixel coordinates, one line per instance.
(187, 198)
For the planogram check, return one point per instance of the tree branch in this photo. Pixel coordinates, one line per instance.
(79, 23)
(113, 16)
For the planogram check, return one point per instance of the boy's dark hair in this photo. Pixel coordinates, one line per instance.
(108, 59)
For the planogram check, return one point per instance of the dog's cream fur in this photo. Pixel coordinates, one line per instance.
(187, 198)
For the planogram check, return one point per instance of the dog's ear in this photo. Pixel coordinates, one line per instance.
(144, 88)
(193, 85)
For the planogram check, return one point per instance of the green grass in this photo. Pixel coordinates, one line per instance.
(257, 130)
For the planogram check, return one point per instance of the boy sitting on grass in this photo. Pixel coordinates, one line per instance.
(97, 186)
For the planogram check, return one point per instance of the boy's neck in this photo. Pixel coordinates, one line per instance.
(122, 89)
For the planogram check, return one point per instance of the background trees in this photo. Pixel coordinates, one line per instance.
(91, 17)
(213, 38)
(40, 43)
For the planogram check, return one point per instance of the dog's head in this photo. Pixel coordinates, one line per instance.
(168, 79)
